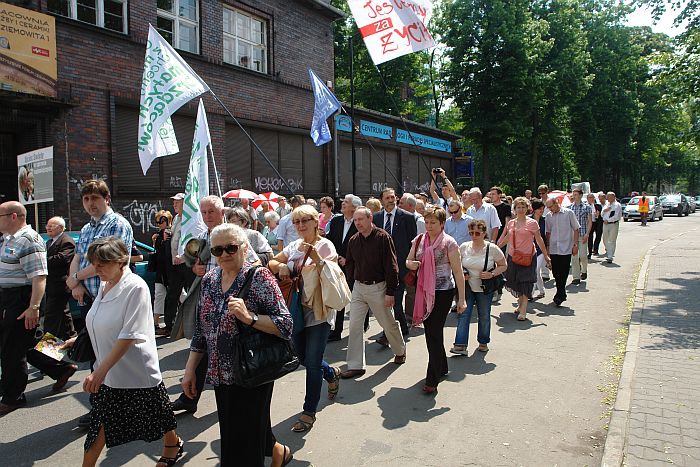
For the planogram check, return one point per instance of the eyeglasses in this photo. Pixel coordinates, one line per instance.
(454, 212)
(476, 232)
(8, 214)
(231, 249)
(302, 221)
(163, 220)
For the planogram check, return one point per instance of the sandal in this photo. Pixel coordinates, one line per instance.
(286, 459)
(335, 382)
(522, 317)
(172, 460)
(301, 425)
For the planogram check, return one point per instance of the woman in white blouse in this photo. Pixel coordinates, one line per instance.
(127, 394)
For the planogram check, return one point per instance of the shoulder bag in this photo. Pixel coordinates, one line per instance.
(496, 282)
(259, 357)
(292, 289)
(520, 258)
(82, 351)
(411, 277)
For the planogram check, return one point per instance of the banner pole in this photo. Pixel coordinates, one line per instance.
(216, 172)
(36, 216)
(252, 141)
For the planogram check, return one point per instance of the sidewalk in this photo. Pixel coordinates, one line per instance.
(657, 412)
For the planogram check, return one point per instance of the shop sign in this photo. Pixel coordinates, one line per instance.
(375, 130)
(424, 141)
(35, 176)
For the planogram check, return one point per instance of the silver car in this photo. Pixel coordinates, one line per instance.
(631, 211)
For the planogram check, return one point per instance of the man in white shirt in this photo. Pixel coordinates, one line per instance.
(408, 203)
(283, 209)
(485, 212)
(286, 233)
(563, 239)
(612, 213)
(448, 191)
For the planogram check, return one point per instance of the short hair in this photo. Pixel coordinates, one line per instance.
(477, 223)
(97, 187)
(577, 190)
(108, 250)
(436, 213)
(354, 200)
(311, 202)
(521, 200)
(305, 210)
(59, 220)
(15, 207)
(164, 213)
(477, 190)
(457, 202)
(240, 214)
(374, 205)
(420, 202)
(611, 193)
(410, 199)
(543, 188)
(298, 199)
(230, 229)
(528, 191)
(328, 201)
(272, 216)
(536, 204)
(385, 191)
(498, 189)
(366, 210)
(214, 200)
(465, 192)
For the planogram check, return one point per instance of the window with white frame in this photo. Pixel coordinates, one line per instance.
(178, 23)
(245, 40)
(108, 14)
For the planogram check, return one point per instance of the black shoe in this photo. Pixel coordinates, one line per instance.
(334, 337)
(557, 301)
(383, 341)
(576, 281)
(84, 421)
(6, 407)
(584, 276)
(188, 406)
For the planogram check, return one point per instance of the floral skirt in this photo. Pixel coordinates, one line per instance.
(519, 279)
(130, 414)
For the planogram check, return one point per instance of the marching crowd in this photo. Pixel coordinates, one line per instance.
(271, 278)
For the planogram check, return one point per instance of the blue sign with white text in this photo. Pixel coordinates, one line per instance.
(343, 123)
(424, 141)
(375, 129)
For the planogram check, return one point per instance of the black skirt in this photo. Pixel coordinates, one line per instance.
(130, 414)
(520, 279)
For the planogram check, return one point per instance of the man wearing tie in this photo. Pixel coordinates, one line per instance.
(402, 228)
(60, 249)
(340, 229)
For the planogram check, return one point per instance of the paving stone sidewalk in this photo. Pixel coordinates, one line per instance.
(664, 417)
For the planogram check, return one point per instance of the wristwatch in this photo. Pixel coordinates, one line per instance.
(75, 275)
(35, 307)
(255, 320)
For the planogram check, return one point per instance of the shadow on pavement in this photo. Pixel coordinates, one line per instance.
(40, 445)
(508, 323)
(354, 391)
(400, 406)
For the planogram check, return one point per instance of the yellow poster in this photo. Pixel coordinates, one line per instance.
(27, 51)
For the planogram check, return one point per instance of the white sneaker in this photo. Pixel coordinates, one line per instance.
(459, 350)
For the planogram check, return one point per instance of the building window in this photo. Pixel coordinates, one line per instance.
(178, 23)
(108, 14)
(245, 40)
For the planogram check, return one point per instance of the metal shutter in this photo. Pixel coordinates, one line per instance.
(378, 175)
(238, 152)
(291, 162)
(174, 168)
(126, 170)
(313, 168)
(264, 178)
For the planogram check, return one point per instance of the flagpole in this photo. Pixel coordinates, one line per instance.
(216, 172)
(336, 181)
(252, 141)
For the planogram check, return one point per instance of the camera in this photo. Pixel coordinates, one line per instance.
(437, 170)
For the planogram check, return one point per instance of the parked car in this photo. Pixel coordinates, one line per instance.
(631, 211)
(625, 200)
(141, 268)
(675, 204)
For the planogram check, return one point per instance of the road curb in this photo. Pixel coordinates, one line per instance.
(614, 452)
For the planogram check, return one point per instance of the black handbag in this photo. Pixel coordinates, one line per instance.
(259, 357)
(82, 348)
(496, 282)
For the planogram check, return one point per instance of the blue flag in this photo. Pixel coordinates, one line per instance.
(325, 105)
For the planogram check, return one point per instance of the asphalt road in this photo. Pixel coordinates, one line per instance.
(533, 400)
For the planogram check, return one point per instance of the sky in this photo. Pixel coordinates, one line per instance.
(642, 17)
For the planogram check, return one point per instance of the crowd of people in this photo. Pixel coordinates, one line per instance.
(409, 260)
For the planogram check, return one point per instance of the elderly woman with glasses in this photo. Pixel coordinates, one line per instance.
(244, 413)
(161, 264)
(308, 253)
(128, 398)
(257, 241)
(473, 258)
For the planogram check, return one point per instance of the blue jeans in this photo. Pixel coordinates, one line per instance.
(483, 307)
(309, 345)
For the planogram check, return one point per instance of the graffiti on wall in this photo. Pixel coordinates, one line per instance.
(264, 184)
(176, 182)
(411, 186)
(141, 215)
(377, 187)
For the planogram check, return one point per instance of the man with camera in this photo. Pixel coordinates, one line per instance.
(447, 190)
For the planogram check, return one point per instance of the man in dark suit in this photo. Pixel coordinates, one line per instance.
(340, 229)
(401, 225)
(60, 249)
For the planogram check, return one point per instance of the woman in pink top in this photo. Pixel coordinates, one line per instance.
(326, 204)
(521, 233)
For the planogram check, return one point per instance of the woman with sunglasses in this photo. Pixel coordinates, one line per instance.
(473, 257)
(521, 235)
(161, 265)
(310, 343)
(244, 413)
(436, 257)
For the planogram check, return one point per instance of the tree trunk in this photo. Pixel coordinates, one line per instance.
(534, 152)
(485, 166)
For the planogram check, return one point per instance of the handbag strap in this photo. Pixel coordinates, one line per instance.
(415, 251)
(243, 291)
(486, 258)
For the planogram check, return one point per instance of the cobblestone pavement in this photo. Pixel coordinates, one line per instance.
(665, 404)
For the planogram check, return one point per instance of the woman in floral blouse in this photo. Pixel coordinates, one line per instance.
(244, 414)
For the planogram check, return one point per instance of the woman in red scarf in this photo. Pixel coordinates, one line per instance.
(436, 257)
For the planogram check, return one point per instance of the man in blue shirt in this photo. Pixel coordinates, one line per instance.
(456, 225)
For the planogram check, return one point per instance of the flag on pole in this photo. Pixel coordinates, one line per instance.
(393, 29)
(197, 186)
(168, 83)
(325, 105)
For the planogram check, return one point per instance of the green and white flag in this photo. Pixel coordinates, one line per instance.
(197, 186)
(168, 83)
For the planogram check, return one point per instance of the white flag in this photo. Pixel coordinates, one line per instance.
(168, 83)
(166, 142)
(392, 29)
(197, 186)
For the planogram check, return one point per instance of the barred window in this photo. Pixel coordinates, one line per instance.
(245, 40)
(108, 14)
(178, 23)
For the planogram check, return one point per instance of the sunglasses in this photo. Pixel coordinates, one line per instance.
(476, 232)
(302, 221)
(231, 249)
(454, 212)
(163, 220)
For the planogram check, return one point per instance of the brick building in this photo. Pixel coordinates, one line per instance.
(253, 54)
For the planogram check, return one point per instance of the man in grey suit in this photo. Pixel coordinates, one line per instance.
(60, 249)
(401, 225)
